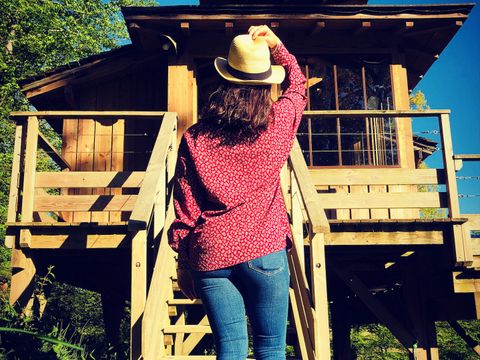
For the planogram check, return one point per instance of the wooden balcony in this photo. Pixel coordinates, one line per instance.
(355, 229)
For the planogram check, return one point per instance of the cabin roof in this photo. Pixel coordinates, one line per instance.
(421, 32)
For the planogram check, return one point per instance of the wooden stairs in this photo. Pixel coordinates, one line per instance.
(164, 324)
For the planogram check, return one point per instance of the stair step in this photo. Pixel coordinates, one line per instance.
(173, 329)
(189, 357)
(184, 302)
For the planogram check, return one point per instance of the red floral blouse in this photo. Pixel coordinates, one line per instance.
(228, 201)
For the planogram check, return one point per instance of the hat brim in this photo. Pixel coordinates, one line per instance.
(277, 76)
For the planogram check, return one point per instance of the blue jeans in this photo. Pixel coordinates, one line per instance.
(258, 288)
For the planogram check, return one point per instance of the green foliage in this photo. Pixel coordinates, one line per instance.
(35, 37)
(376, 342)
(418, 101)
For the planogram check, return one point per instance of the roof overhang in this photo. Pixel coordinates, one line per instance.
(421, 32)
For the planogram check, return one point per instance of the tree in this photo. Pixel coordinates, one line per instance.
(35, 37)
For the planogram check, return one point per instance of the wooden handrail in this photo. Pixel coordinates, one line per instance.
(87, 114)
(366, 113)
(467, 157)
(316, 214)
(142, 211)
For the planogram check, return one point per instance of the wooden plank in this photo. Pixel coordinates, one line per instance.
(384, 176)
(404, 134)
(473, 220)
(297, 219)
(89, 179)
(320, 297)
(79, 240)
(306, 348)
(467, 157)
(14, 183)
(85, 203)
(182, 88)
(28, 190)
(378, 213)
(102, 159)
(377, 113)
(146, 198)
(44, 144)
(173, 329)
(184, 302)
(23, 277)
(160, 293)
(273, 15)
(382, 200)
(463, 251)
(138, 295)
(69, 153)
(118, 141)
(85, 151)
(88, 114)
(193, 339)
(363, 213)
(316, 213)
(385, 238)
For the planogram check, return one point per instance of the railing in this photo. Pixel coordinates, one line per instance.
(390, 193)
(151, 214)
(309, 300)
(30, 205)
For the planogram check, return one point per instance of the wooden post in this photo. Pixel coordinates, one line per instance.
(340, 330)
(297, 218)
(406, 154)
(23, 268)
(417, 308)
(138, 292)
(463, 250)
(14, 183)
(182, 93)
(28, 192)
(319, 296)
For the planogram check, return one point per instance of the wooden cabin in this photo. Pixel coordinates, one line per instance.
(378, 239)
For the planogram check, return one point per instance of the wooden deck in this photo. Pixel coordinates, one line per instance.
(361, 246)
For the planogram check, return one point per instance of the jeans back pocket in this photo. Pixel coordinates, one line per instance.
(269, 264)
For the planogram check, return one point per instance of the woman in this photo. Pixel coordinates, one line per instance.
(232, 231)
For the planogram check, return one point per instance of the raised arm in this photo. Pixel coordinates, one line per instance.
(293, 98)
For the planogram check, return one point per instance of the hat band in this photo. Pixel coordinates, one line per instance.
(249, 76)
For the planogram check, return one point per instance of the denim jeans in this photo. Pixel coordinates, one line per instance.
(258, 288)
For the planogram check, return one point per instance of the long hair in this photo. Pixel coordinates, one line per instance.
(237, 113)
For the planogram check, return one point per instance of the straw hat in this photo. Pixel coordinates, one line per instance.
(249, 63)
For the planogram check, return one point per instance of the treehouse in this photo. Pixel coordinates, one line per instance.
(378, 237)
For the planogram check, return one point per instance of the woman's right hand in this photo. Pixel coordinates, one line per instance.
(265, 32)
(185, 283)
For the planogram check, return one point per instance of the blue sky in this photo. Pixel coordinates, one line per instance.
(453, 82)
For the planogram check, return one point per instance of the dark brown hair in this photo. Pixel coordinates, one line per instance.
(237, 113)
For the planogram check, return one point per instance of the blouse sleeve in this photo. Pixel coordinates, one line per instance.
(187, 198)
(293, 100)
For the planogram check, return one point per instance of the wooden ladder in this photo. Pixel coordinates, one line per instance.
(168, 328)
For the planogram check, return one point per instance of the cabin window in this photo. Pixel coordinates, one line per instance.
(348, 83)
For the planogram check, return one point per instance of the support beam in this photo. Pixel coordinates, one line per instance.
(467, 338)
(320, 297)
(138, 292)
(375, 306)
(30, 164)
